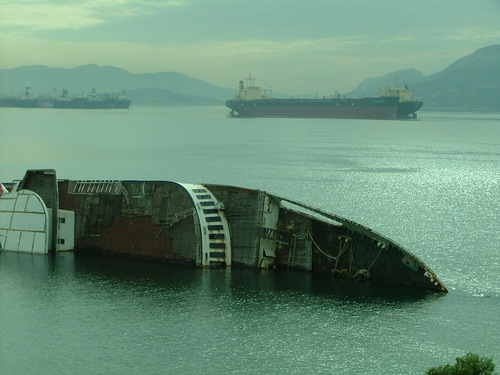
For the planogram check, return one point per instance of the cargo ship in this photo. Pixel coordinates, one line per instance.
(202, 225)
(252, 101)
(92, 101)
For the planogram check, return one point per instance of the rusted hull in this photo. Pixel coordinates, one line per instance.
(129, 219)
(364, 108)
(221, 226)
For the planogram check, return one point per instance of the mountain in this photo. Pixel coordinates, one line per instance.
(473, 82)
(160, 88)
(470, 83)
(372, 86)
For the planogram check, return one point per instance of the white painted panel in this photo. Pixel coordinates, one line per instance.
(49, 226)
(41, 243)
(21, 230)
(270, 213)
(66, 230)
(3, 237)
(7, 202)
(26, 241)
(29, 221)
(12, 242)
(5, 219)
(35, 204)
(22, 200)
(311, 212)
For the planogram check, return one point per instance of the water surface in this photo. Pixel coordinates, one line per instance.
(431, 185)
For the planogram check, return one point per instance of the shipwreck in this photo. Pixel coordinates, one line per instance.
(203, 225)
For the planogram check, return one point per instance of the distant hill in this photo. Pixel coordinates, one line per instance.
(471, 83)
(372, 86)
(148, 88)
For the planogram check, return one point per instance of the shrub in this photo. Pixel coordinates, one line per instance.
(469, 364)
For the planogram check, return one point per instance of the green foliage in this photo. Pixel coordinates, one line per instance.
(469, 364)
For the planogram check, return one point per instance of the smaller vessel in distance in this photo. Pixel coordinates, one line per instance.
(92, 101)
(252, 101)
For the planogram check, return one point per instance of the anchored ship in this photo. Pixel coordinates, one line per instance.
(204, 225)
(407, 106)
(252, 101)
(92, 101)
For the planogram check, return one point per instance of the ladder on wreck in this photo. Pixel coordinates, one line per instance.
(178, 216)
(98, 186)
(215, 247)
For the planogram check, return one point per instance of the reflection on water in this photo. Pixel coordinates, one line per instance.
(431, 185)
(212, 321)
(235, 282)
(130, 314)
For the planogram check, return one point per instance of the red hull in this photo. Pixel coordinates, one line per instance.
(365, 108)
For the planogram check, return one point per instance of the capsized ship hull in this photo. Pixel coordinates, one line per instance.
(203, 225)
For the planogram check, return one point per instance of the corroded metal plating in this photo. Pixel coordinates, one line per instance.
(221, 226)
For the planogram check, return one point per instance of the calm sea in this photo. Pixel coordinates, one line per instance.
(431, 185)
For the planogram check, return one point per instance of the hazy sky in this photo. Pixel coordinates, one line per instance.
(295, 46)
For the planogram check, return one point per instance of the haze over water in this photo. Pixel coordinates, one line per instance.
(430, 185)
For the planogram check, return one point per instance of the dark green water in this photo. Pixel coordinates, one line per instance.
(81, 315)
(431, 185)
